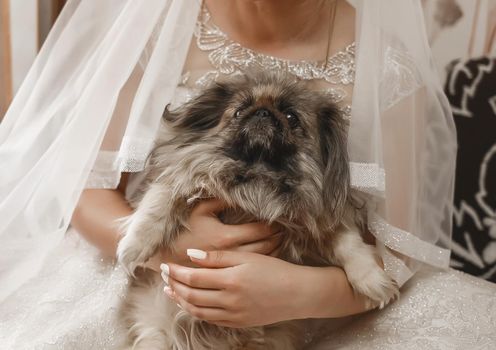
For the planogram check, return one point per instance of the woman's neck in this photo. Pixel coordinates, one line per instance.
(272, 23)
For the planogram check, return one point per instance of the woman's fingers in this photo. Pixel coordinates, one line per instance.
(202, 313)
(208, 206)
(220, 260)
(265, 246)
(204, 217)
(236, 235)
(195, 277)
(198, 297)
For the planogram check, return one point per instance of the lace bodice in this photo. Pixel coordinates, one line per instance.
(213, 55)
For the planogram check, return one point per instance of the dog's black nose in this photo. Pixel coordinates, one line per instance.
(262, 113)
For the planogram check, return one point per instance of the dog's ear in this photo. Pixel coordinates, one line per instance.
(203, 112)
(333, 149)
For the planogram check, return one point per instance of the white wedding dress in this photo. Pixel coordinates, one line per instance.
(73, 306)
(73, 302)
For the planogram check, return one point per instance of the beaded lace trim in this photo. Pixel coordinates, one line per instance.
(229, 57)
(407, 243)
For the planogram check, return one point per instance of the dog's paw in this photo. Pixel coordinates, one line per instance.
(132, 253)
(371, 280)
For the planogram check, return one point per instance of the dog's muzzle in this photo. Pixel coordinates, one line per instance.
(263, 123)
(260, 139)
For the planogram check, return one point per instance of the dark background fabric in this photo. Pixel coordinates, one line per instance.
(471, 90)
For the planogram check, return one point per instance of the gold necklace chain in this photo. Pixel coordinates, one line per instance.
(332, 19)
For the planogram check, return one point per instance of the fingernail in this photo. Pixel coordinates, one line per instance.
(165, 272)
(164, 268)
(196, 254)
(168, 291)
(165, 277)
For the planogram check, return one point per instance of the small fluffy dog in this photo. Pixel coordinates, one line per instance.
(274, 151)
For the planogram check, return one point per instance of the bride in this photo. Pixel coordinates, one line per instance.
(78, 133)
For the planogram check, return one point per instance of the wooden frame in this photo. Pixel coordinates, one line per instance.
(5, 58)
(48, 11)
(57, 7)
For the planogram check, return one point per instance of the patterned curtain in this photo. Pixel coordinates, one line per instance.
(463, 39)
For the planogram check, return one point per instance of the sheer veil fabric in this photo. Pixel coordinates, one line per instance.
(92, 102)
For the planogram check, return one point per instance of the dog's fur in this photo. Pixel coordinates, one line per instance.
(274, 151)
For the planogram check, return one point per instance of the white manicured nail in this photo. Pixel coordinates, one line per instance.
(165, 277)
(168, 291)
(165, 272)
(164, 268)
(196, 253)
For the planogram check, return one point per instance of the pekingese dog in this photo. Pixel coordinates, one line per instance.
(274, 151)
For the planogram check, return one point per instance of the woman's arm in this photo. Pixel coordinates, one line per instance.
(328, 294)
(97, 210)
(316, 292)
(95, 215)
(236, 289)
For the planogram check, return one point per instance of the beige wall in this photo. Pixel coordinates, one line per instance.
(460, 29)
(5, 58)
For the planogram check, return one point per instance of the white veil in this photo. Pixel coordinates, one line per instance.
(91, 104)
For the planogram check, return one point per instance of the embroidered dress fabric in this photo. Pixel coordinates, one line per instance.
(73, 303)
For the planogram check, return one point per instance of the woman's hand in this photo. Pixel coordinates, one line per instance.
(238, 289)
(207, 232)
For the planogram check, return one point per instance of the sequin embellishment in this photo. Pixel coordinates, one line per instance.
(229, 57)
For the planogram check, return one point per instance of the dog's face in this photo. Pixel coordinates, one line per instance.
(267, 124)
(275, 124)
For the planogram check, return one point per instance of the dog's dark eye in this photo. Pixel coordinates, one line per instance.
(292, 119)
(237, 113)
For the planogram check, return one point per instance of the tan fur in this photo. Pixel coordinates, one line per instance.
(298, 180)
